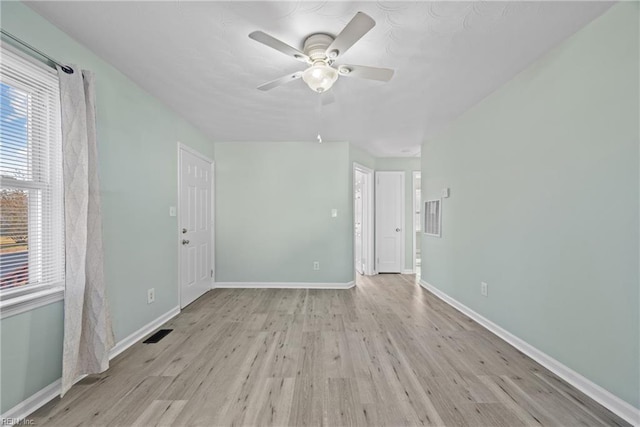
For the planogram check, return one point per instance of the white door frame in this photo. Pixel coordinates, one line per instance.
(367, 218)
(414, 175)
(403, 233)
(190, 150)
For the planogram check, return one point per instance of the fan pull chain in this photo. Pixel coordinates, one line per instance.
(319, 137)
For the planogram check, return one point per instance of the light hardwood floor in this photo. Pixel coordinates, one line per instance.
(386, 352)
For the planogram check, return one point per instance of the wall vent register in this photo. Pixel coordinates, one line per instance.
(432, 217)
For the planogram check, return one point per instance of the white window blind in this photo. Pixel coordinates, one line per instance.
(31, 210)
(432, 217)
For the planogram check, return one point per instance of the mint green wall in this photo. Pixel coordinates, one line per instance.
(407, 165)
(358, 155)
(137, 139)
(273, 212)
(30, 342)
(544, 182)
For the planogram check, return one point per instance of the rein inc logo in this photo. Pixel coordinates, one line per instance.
(17, 422)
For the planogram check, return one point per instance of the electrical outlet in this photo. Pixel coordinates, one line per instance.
(151, 295)
(316, 265)
(484, 289)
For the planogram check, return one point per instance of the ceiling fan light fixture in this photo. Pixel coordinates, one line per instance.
(320, 51)
(320, 77)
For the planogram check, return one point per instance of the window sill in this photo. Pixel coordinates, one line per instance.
(20, 304)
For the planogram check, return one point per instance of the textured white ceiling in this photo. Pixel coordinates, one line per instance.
(198, 59)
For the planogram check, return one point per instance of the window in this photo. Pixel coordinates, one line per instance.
(31, 212)
(432, 217)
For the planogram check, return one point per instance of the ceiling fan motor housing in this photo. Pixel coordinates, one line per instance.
(315, 47)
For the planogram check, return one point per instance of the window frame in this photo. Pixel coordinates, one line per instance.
(15, 300)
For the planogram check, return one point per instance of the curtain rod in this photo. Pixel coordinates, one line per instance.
(64, 67)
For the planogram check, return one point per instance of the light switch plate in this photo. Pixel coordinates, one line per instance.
(334, 213)
(172, 211)
(445, 192)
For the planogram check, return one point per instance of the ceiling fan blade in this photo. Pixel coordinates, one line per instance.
(355, 29)
(278, 45)
(364, 72)
(279, 82)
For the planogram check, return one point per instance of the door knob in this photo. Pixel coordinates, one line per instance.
(184, 230)
(397, 229)
(185, 242)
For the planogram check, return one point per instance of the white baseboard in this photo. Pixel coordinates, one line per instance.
(408, 271)
(50, 392)
(34, 402)
(284, 285)
(136, 336)
(588, 387)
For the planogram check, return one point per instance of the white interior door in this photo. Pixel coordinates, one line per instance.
(363, 209)
(195, 225)
(417, 229)
(358, 220)
(389, 222)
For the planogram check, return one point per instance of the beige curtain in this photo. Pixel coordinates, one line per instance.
(88, 335)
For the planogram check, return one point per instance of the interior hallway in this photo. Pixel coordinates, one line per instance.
(386, 352)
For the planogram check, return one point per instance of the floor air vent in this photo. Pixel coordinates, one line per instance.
(157, 336)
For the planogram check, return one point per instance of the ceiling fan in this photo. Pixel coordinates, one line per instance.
(320, 52)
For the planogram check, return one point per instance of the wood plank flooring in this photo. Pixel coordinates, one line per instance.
(386, 352)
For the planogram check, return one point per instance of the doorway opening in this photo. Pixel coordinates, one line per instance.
(417, 229)
(363, 220)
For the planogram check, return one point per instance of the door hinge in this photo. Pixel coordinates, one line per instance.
(212, 272)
